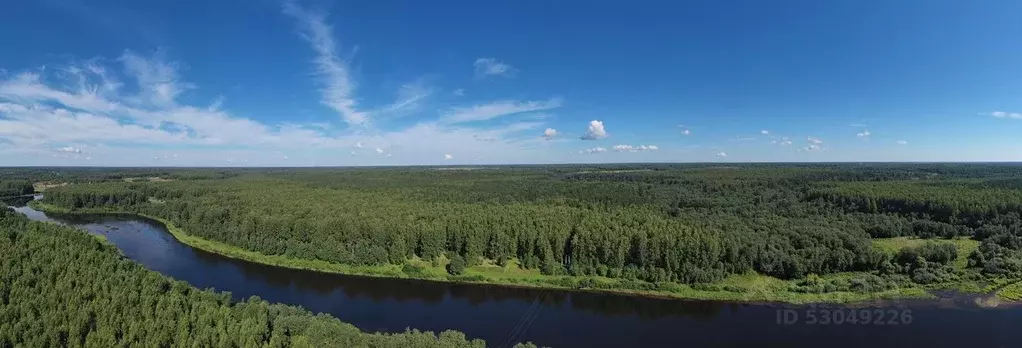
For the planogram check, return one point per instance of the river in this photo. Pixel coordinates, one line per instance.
(555, 318)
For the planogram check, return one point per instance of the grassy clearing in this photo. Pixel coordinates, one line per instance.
(965, 246)
(748, 287)
(42, 186)
(1011, 292)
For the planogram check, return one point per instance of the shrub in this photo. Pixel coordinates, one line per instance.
(456, 266)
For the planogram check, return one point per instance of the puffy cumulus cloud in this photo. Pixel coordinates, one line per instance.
(630, 148)
(863, 134)
(379, 150)
(1005, 114)
(684, 130)
(492, 67)
(549, 133)
(815, 141)
(358, 145)
(448, 156)
(595, 131)
(764, 132)
(721, 154)
(901, 142)
(594, 150)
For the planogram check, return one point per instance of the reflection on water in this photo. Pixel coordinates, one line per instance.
(554, 318)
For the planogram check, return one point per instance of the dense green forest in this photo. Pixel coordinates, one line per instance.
(15, 188)
(61, 287)
(642, 224)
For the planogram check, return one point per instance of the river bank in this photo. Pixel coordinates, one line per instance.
(745, 288)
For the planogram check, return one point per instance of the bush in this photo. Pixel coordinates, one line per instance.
(942, 253)
(551, 268)
(413, 270)
(456, 266)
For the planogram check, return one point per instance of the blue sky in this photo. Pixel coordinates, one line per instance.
(299, 83)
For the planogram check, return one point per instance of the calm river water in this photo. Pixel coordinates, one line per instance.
(557, 318)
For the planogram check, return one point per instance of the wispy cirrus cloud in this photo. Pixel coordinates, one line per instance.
(1005, 114)
(82, 104)
(130, 110)
(492, 67)
(491, 110)
(337, 85)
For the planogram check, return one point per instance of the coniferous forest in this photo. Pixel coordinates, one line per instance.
(61, 287)
(645, 227)
(789, 232)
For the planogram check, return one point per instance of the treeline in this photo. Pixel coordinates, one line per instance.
(99, 174)
(686, 226)
(987, 210)
(15, 188)
(61, 287)
(660, 223)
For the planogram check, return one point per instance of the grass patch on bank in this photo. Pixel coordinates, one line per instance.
(747, 287)
(965, 246)
(1011, 292)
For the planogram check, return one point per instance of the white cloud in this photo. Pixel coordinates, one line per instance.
(863, 134)
(338, 86)
(684, 130)
(36, 111)
(901, 142)
(353, 153)
(594, 150)
(448, 157)
(126, 111)
(595, 131)
(69, 149)
(491, 67)
(630, 148)
(358, 145)
(811, 148)
(482, 112)
(549, 133)
(157, 80)
(764, 132)
(813, 145)
(741, 139)
(410, 97)
(379, 150)
(721, 154)
(784, 141)
(1004, 114)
